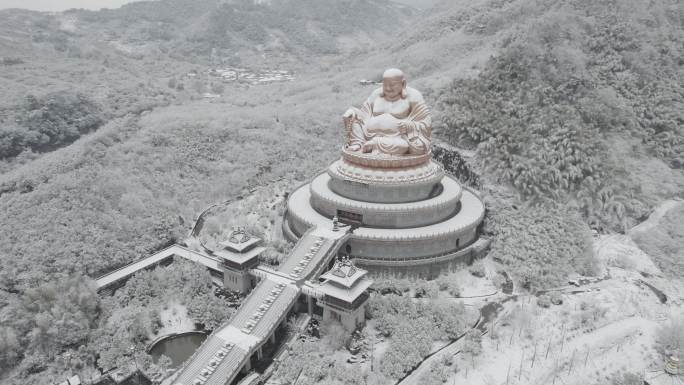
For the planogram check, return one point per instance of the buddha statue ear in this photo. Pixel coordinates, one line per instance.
(404, 93)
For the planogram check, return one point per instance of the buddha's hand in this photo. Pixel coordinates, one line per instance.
(404, 127)
(354, 147)
(350, 113)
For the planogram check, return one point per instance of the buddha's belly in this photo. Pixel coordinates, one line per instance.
(400, 109)
(383, 125)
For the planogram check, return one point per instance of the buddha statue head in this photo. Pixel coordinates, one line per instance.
(393, 85)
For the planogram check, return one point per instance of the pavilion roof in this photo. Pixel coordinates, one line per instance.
(344, 273)
(239, 240)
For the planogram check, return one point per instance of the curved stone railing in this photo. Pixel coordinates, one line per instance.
(161, 338)
(466, 220)
(384, 161)
(287, 230)
(471, 249)
(320, 192)
(469, 217)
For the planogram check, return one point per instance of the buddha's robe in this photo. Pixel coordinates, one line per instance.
(377, 122)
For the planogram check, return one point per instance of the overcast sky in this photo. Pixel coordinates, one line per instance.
(61, 5)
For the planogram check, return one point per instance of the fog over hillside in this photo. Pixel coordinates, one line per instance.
(129, 129)
(61, 5)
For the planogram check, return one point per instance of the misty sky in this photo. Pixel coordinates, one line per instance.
(61, 5)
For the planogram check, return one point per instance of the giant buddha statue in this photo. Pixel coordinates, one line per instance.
(393, 121)
(404, 209)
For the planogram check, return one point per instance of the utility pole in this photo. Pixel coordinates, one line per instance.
(298, 374)
(508, 374)
(372, 338)
(572, 358)
(562, 339)
(555, 372)
(586, 358)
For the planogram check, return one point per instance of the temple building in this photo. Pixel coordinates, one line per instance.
(384, 205)
(239, 255)
(407, 214)
(343, 294)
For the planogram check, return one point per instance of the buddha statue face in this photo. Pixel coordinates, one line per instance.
(392, 87)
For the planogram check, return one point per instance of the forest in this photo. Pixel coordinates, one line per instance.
(582, 77)
(566, 115)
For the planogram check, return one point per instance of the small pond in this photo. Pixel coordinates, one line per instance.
(178, 347)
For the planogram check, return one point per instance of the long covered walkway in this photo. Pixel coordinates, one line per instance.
(231, 347)
(122, 274)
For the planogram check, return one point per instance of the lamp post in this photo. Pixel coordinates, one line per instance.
(372, 358)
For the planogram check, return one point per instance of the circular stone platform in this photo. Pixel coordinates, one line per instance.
(391, 215)
(397, 246)
(385, 185)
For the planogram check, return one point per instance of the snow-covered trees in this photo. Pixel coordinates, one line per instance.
(10, 349)
(49, 121)
(50, 318)
(439, 371)
(411, 341)
(670, 338)
(544, 113)
(472, 344)
(541, 246)
(308, 362)
(412, 328)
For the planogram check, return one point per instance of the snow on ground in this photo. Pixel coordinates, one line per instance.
(585, 358)
(593, 334)
(472, 286)
(415, 377)
(601, 328)
(657, 214)
(619, 251)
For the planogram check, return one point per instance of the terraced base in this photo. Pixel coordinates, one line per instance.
(390, 215)
(385, 185)
(397, 246)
